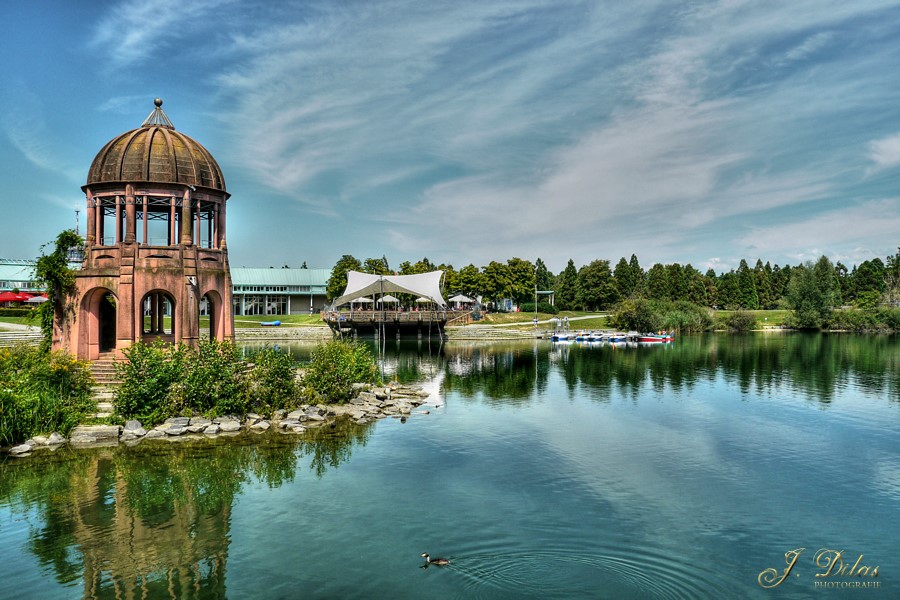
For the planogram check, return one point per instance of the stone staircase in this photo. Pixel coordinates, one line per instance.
(488, 332)
(11, 338)
(104, 392)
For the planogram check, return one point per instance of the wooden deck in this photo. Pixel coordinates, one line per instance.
(416, 322)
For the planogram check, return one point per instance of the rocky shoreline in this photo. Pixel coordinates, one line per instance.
(369, 403)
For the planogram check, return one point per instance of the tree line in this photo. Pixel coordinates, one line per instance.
(600, 286)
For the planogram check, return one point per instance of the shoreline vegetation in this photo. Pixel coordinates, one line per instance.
(43, 393)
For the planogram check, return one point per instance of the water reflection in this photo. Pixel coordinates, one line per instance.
(813, 366)
(153, 520)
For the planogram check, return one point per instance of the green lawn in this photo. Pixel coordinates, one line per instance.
(18, 320)
(253, 321)
(764, 318)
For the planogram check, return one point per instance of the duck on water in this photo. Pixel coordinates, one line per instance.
(435, 561)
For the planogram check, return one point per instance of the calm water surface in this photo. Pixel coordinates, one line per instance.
(542, 471)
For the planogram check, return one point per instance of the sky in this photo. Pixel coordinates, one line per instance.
(467, 132)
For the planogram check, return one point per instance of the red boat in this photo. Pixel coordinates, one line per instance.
(652, 338)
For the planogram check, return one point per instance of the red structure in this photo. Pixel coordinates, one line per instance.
(155, 251)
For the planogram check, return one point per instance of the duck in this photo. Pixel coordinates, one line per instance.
(435, 561)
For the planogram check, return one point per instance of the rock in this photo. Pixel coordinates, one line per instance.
(288, 423)
(362, 421)
(298, 429)
(278, 414)
(178, 421)
(382, 393)
(77, 440)
(260, 426)
(424, 412)
(134, 433)
(252, 418)
(133, 425)
(154, 433)
(20, 449)
(199, 421)
(361, 387)
(295, 415)
(176, 430)
(55, 439)
(227, 426)
(38, 440)
(212, 428)
(315, 417)
(198, 428)
(404, 410)
(100, 433)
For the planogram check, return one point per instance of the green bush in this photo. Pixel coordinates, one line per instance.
(15, 312)
(636, 315)
(41, 392)
(334, 367)
(684, 317)
(214, 381)
(272, 380)
(740, 320)
(543, 307)
(146, 376)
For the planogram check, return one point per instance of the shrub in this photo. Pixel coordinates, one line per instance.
(146, 376)
(543, 307)
(685, 317)
(335, 366)
(214, 381)
(272, 381)
(636, 315)
(41, 392)
(16, 312)
(740, 320)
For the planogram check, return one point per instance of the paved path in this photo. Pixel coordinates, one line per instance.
(18, 327)
(544, 322)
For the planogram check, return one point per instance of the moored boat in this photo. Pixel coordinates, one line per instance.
(655, 338)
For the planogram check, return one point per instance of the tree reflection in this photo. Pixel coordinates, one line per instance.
(153, 520)
(813, 366)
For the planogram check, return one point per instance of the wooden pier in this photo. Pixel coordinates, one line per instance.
(420, 323)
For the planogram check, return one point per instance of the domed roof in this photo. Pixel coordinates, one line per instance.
(156, 153)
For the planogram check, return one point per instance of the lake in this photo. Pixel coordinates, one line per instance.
(706, 468)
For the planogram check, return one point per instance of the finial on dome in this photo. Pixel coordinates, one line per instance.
(157, 118)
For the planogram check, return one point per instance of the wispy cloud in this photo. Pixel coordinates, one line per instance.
(885, 152)
(135, 30)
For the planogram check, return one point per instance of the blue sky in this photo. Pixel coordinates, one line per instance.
(701, 132)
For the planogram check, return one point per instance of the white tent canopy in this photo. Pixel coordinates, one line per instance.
(461, 298)
(426, 285)
(389, 299)
(361, 299)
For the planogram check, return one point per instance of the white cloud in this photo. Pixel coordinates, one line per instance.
(885, 153)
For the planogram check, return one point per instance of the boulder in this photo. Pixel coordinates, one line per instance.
(178, 421)
(38, 440)
(176, 430)
(226, 426)
(260, 426)
(20, 449)
(55, 439)
(99, 433)
(154, 433)
(199, 421)
(133, 425)
(212, 428)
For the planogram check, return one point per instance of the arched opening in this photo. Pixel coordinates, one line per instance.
(211, 308)
(107, 325)
(158, 316)
(98, 313)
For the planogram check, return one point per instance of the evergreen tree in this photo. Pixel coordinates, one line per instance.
(657, 283)
(626, 278)
(812, 293)
(696, 286)
(728, 291)
(543, 277)
(678, 284)
(763, 284)
(892, 279)
(749, 298)
(638, 274)
(711, 283)
(567, 287)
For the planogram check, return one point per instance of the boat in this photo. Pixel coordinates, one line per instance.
(270, 323)
(561, 337)
(656, 338)
(618, 337)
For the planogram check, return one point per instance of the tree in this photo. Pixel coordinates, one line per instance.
(337, 282)
(657, 283)
(422, 266)
(763, 284)
(596, 287)
(520, 280)
(495, 281)
(626, 279)
(696, 286)
(638, 274)
(468, 282)
(677, 282)
(567, 287)
(812, 294)
(542, 276)
(728, 292)
(749, 297)
(710, 282)
(869, 277)
(377, 266)
(53, 272)
(892, 279)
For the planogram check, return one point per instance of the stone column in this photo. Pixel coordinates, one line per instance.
(130, 215)
(118, 219)
(186, 219)
(173, 233)
(91, 238)
(221, 226)
(146, 202)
